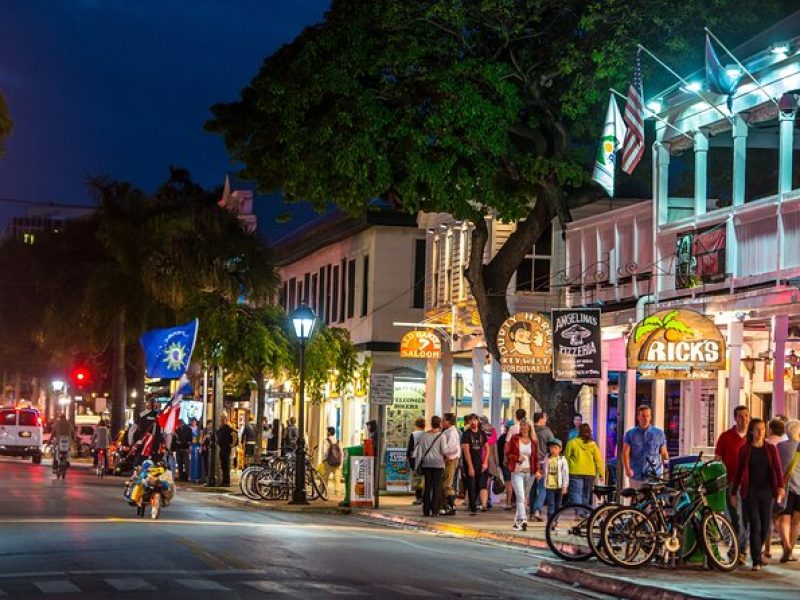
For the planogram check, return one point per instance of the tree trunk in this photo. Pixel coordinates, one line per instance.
(138, 379)
(489, 285)
(119, 383)
(261, 393)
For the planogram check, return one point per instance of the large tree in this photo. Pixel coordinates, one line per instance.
(470, 107)
(6, 124)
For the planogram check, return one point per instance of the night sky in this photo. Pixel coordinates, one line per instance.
(122, 87)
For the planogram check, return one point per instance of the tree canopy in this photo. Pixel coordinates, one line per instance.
(469, 107)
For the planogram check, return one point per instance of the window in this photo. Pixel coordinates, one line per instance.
(306, 286)
(533, 273)
(351, 289)
(328, 312)
(291, 299)
(418, 298)
(28, 418)
(299, 294)
(365, 287)
(335, 296)
(283, 295)
(8, 417)
(313, 297)
(342, 291)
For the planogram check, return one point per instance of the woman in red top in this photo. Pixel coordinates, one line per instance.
(519, 450)
(759, 479)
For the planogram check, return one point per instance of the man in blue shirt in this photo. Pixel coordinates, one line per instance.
(643, 445)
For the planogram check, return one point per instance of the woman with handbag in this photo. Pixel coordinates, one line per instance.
(759, 479)
(789, 517)
(429, 459)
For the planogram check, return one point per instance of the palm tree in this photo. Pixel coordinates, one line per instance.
(652, 326)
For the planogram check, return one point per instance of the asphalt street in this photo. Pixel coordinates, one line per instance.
(80, 539)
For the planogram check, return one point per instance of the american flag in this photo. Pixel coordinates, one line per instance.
(633, 146)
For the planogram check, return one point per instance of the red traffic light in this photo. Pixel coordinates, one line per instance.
(80, 377)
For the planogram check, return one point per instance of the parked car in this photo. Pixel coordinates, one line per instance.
(21, 433)
(85, 432)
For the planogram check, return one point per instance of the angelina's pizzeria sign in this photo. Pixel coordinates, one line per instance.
(676, 344)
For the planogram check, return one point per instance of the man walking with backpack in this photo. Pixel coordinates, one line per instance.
(332, 463)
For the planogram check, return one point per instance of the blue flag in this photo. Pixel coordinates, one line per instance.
(168, 351)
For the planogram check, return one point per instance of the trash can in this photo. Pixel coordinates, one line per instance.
(348, 452)
(195, 463)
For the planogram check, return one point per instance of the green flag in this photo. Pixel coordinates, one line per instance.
(613, 135)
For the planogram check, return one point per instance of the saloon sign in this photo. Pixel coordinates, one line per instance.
(420, 344)
(676, 344)
(576, 344)
(525, 342)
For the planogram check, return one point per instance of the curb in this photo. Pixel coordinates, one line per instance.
(459, 530)
(288, 508)
(608, 584)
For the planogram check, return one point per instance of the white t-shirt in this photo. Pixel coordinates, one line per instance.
(525, 455)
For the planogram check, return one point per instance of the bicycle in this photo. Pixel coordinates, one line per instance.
(633, 537)
(100, 469)
(568, 531)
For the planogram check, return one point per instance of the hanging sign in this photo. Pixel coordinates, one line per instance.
(525, 343)
(676, 344)
(420, 344)
(576, 344)
(381, 388)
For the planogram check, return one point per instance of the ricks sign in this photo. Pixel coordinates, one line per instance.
(676, 344)
(420, 344)
(525, 342)
(576, 344)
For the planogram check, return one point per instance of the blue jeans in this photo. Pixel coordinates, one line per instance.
(580, 489)
(553, 501)
(537, 495)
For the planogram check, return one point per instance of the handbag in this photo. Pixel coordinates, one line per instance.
(418, 466)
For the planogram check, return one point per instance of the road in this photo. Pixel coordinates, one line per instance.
(80, 539)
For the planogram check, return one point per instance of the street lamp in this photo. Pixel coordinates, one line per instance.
(303, 320)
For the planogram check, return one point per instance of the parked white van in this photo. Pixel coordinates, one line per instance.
(21, 433)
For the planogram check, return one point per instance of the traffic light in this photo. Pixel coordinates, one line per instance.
(80, 377)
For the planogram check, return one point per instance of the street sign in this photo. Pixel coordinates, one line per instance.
(381, 388)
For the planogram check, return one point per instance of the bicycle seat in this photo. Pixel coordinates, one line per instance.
(603, 490)
(628, 492)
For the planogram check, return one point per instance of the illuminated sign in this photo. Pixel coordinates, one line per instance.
(420, 344)
(525, 343)
(576, 344)
(676, 344)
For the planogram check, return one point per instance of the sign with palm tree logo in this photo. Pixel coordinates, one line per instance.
(676, 344)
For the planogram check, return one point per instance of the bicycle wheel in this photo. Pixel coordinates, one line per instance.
(271, 484)
(719, 541)
(314, 481)
(596, 523)
(567, 532)
(246, 482)
(629, 538)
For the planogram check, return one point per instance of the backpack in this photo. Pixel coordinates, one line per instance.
(334, 456)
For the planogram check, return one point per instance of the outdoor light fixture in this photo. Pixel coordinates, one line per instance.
(693, 86)
(303, 320)
(779, 48)
(57, 384)
(654, 106)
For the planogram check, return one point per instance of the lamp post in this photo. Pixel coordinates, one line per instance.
(303, 320)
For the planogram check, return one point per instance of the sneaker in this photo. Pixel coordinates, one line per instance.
(537, 516)
(483, 509)
(524, 526)
(517, 526)
(443, 513)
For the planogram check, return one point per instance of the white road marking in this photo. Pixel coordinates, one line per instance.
(129, 584)
(57, 587)
(202, 585)
(272, 587)
(409, 590)
(334, 588)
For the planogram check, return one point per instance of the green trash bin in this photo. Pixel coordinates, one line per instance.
(348, 452)
(715, 479)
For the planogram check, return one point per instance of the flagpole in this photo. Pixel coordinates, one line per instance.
(688, 134)
(686, 84)
(742, 67)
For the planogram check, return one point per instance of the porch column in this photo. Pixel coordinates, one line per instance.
(478, 360)
(661, 159)
(446, 391)
(601, 431)
(739, 159)
(786, 120)
(496, 394)
(659, 400)
(630, 400)
(430, 388)
(700, 172)
(735, 330)
(780, 331)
